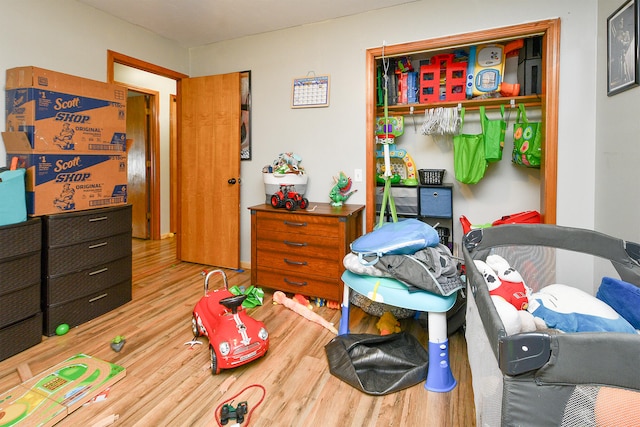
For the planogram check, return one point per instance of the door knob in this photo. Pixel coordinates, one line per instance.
(231, 180)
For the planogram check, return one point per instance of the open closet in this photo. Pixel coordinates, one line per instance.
(538, 185)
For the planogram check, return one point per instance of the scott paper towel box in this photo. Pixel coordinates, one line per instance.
(60, 112)
(68, 181)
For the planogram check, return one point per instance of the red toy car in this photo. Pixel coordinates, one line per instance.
(288, 198)
(235, 338)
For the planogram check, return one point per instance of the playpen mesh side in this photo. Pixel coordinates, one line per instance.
(487, 377)
(591, 406)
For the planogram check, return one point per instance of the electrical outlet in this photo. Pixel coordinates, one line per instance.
(357, 175)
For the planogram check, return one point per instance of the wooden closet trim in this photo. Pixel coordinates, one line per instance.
(550, 31)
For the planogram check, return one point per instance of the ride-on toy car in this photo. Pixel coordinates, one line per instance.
(235, 338)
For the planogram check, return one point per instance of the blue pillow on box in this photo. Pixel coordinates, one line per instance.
(623, 297)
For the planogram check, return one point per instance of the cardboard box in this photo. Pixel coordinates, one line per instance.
(60, 112)
(68, 181)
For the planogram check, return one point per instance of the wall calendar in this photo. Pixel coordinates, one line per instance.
(310, 92)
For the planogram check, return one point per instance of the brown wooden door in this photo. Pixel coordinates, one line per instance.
(209, 170)
(138, 164)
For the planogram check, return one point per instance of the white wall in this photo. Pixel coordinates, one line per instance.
(333, 139)
(617, 152)
(69, 37)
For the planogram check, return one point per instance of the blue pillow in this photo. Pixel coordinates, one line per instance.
(571, 310)
(623, 297)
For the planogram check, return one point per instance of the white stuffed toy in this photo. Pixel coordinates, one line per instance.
(513, 319)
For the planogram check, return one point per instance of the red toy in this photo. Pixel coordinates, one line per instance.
(235, 338)
(288, 198)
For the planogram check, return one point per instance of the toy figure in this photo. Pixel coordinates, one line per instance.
(340, 191)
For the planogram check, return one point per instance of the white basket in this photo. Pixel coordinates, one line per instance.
(272, 183)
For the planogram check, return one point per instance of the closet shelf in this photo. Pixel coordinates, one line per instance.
(468, 104)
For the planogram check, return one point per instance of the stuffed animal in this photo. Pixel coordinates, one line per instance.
(514, 319)
(388, 324)
(511, 286)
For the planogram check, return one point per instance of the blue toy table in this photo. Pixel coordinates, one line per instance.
(392, 292)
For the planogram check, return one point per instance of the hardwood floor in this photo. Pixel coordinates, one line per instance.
(169, 383)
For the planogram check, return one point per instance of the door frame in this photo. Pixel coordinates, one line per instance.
(119, 58)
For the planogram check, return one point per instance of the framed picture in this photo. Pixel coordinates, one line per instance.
(622, 48)
(245, 126)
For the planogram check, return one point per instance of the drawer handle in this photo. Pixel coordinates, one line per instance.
(435, 194)
(287, 242)
(97, 245)
(290, 282)
(98, 297)
(295, 224)
(288, 261)
(100, 218)
(102, 270)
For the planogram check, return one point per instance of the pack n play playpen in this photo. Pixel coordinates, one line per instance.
(551, 377)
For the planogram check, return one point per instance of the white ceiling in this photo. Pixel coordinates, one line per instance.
(198, 22)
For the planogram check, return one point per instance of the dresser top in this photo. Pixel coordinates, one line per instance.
(314, 208)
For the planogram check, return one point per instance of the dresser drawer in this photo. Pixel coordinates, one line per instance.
(18, 273)
(81, 310)
(81, 226)
(299, 264)
(72, 258)
(20, 304)
(63, 288)
(305, 245)
(21, 335)
(20, 239)
(313, 286)
(435, 202)
(291, 225)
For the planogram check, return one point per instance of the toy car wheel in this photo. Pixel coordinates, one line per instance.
(275, 201)
(304, 203)
(194, 327)
(289, 205)
(215, 370)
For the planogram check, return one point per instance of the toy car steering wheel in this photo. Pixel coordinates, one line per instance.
(233, 302)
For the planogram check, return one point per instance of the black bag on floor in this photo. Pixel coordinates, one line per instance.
(378, 364)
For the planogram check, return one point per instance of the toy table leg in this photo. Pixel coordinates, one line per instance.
(344, 318)
(439, 376)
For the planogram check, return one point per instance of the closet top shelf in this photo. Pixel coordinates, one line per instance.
(468, 104)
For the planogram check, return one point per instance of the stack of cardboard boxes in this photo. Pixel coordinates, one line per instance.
(69, 133)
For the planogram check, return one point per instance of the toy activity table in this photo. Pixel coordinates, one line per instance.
(393, 292)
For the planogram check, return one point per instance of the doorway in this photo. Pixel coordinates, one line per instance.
(141, 134)
(152, 163)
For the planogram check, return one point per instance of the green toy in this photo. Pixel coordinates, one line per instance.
(341, 191)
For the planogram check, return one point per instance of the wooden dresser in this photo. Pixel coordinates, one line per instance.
(301, 251)
(86, 265)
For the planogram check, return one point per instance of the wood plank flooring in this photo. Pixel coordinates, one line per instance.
(169, 383)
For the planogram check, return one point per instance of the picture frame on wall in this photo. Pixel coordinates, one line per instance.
(622, 48)
(245, 125)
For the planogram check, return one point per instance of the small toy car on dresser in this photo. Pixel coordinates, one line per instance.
(235, 338)
(289, 199)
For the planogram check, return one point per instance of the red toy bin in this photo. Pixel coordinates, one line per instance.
(429, 83)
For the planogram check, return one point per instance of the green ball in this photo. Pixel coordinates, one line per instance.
(62, 329)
